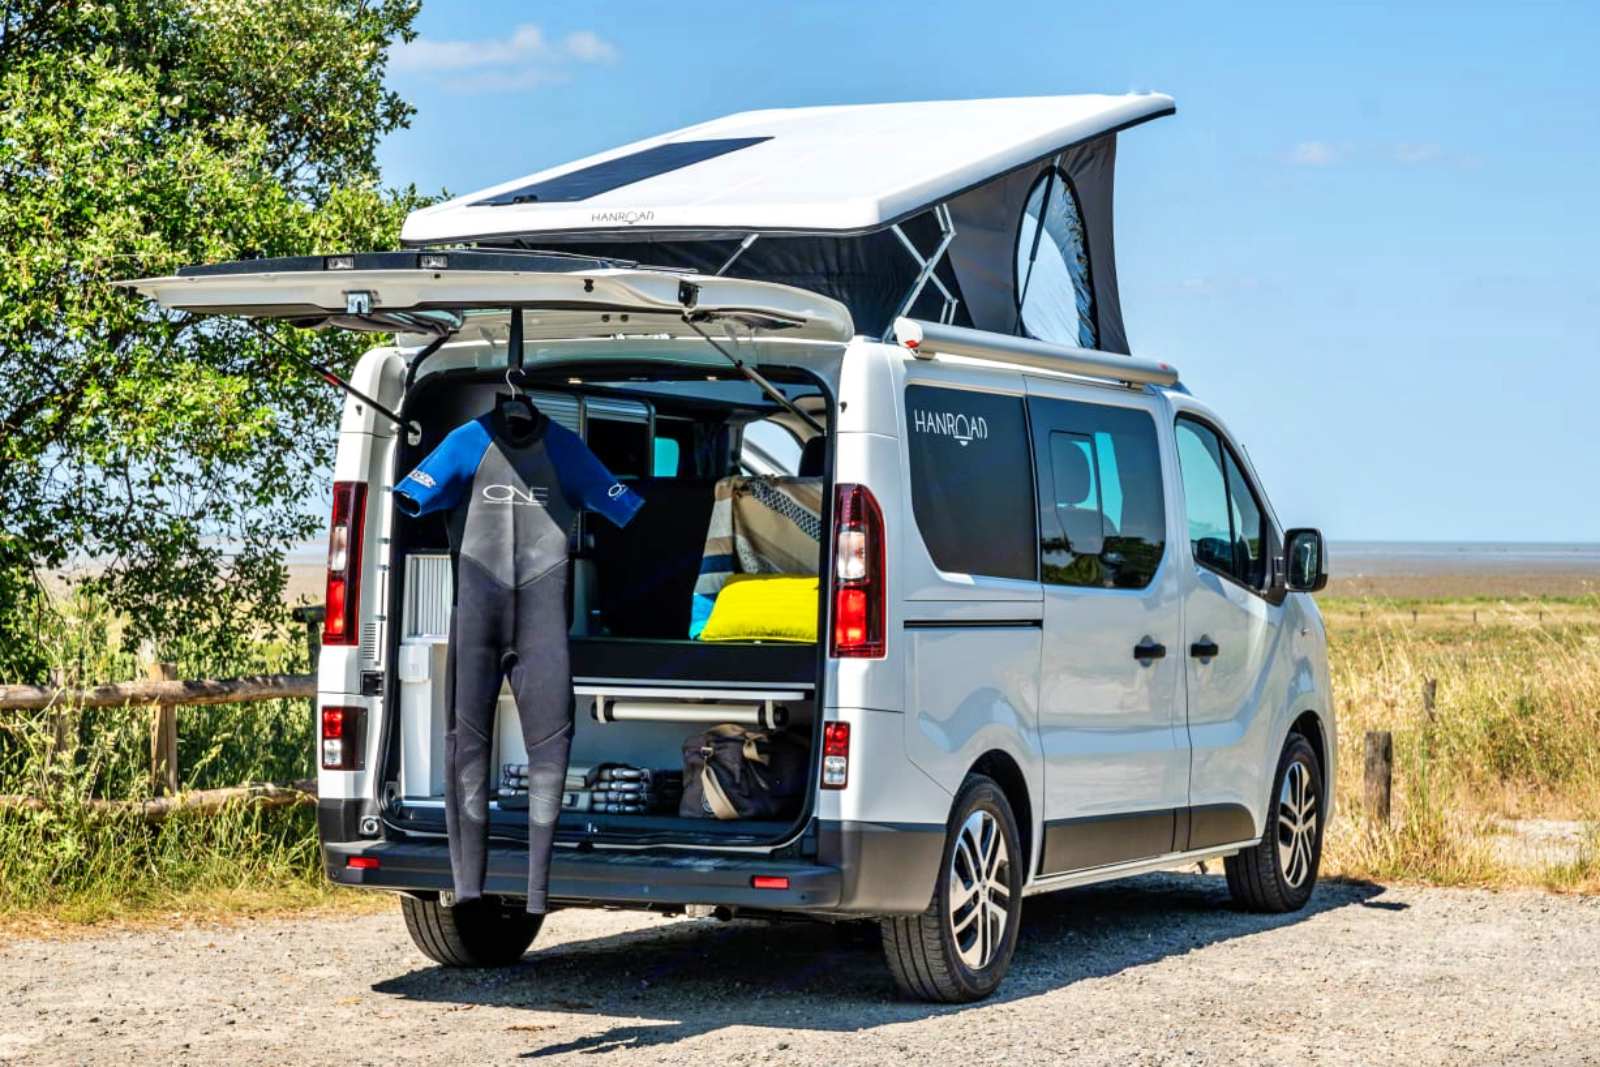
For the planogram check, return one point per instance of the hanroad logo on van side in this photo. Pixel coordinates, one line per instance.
(532, 497)
(963, 428)
(627, 218)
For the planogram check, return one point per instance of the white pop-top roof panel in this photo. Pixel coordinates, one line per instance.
(809, 170)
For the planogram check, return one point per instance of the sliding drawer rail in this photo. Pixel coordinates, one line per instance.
(746, 707)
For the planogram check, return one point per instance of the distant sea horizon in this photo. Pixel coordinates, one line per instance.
(1348, 559)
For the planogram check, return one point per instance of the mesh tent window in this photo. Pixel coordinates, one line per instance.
(1054, 284)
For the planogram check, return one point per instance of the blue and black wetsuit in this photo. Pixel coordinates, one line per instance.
(513, 502)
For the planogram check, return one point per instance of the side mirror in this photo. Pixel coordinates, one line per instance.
(1305, 560)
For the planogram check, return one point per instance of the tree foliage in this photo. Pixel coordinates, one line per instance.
(171, 453)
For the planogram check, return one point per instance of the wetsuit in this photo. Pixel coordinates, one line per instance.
(513, 502)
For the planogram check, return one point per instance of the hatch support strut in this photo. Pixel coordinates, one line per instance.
(928, 270)
(688, 296)
(749, 240)
(334, 380)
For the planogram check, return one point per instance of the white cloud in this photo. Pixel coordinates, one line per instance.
(1414, 153)
(524, 58)
(1315, 154)
(587, 46)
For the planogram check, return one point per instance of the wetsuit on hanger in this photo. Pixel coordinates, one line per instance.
(513, 501)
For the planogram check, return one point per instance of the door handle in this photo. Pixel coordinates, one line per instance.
(1205, 648)
(1147, 650)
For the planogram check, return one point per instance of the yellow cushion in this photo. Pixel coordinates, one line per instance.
(764, 607)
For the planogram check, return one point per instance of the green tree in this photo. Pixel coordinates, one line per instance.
(174, 452)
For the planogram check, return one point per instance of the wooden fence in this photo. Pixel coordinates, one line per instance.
(163, 693)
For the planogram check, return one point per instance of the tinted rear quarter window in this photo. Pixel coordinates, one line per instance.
(972, 480)
(1102, 511)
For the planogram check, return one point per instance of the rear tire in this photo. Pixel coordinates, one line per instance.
(1279, 874)
(479, 933)
(960, 948)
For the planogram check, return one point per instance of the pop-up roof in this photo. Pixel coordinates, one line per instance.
(926, 209)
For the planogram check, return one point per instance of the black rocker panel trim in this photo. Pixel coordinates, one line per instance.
(1102, 840)
(1219, 824)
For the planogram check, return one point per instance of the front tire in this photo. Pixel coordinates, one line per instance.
(1279, 874)
(479, 933)
(960, 948)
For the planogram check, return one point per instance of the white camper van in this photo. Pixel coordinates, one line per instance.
(1059, 635)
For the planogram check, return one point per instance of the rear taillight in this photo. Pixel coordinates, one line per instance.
(343, 731)
(835, 755)
(344, 562)
(858, 574)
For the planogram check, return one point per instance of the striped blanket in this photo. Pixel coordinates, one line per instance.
(759, 525)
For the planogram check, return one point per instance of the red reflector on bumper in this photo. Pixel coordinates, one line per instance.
(362, 863)
(769, 881)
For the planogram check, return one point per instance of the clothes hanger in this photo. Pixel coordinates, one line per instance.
(514, 410)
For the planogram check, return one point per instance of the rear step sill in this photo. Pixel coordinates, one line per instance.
(616, 841)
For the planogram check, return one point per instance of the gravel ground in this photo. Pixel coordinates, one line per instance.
(1152, 970)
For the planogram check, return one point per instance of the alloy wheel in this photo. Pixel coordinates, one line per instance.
(980, 890)
(1297, 824)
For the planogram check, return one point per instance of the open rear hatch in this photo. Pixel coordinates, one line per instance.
(660, 314)
(428, 292)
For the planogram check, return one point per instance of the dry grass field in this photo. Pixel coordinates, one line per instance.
(1500, 785)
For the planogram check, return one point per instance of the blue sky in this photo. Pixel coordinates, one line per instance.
(1367, 237)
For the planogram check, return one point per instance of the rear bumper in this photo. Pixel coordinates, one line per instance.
(858, 868)
(639, 879)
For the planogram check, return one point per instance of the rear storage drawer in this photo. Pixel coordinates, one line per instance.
(693, 662)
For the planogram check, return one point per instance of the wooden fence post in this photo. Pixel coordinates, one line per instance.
(60, 722)
(163, 735)
(312, 616)
(1430, 697)
(1379, 774)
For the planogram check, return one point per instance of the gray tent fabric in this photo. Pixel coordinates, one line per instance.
(988, 220)
(871, 273)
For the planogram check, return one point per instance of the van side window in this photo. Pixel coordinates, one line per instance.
(972, 481)
(1249, 563)
(1227, 526)
(673, 451)
(769, 447)
(1102, 515)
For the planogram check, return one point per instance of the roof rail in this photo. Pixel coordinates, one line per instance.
(928, 339)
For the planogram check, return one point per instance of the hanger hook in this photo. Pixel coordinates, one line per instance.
(513, 386)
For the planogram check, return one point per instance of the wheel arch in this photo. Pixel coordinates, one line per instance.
(1314, 728)
(1309, 725)
(1007, 774)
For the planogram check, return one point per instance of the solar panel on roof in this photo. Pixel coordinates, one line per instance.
(600, 178)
